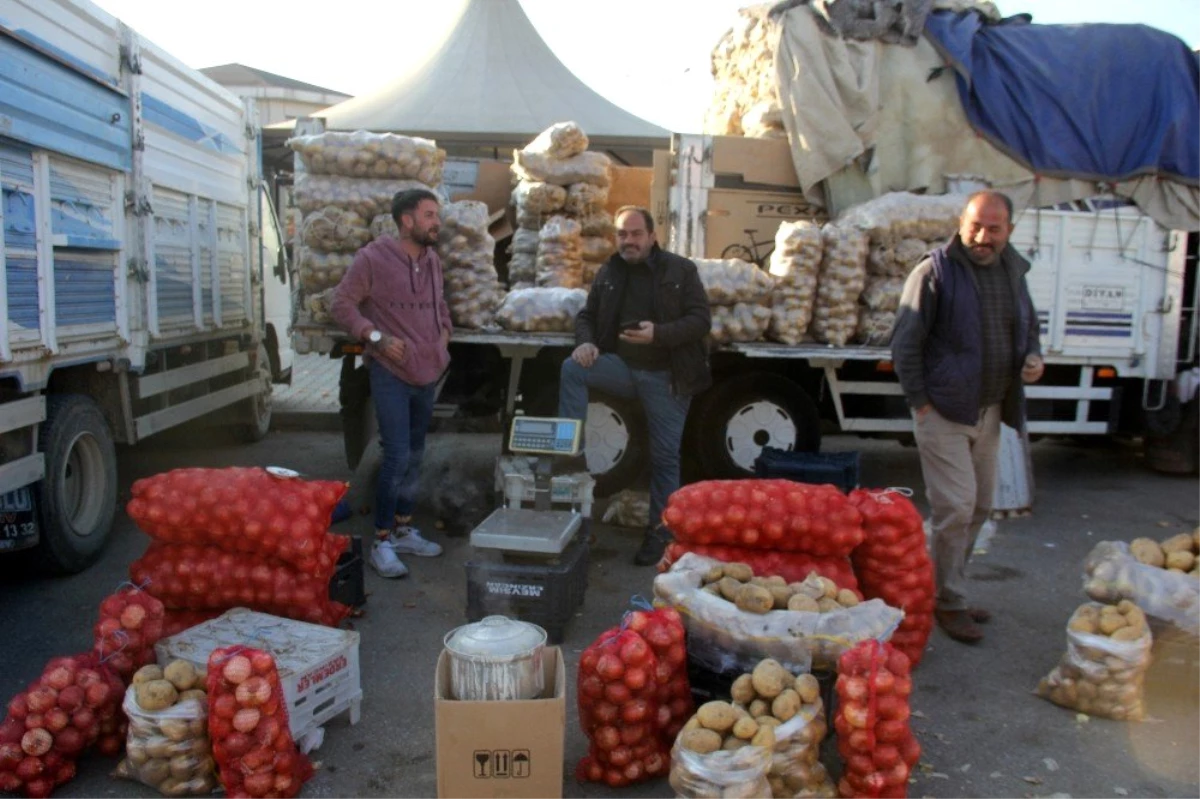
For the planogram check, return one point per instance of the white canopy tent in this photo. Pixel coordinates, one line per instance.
(493, 82)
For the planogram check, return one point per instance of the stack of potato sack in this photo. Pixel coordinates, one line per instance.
(795, 265)
(345, 194)
(775, 526)
(739, 298)
(558, 182)
(839, 285)
(473, 290)
(239, 537)
(901, 228)
(893, 564)
(745, 101)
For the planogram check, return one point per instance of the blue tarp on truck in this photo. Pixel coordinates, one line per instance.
(1100, 102)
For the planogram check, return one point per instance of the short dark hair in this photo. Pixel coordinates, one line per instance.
(405, 202)
(992, 194)
(636, 209)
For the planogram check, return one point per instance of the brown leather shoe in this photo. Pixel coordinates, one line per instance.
(980, 615)
(958, 625)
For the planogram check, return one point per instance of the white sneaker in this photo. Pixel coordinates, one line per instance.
(385, 562)
(408, 541)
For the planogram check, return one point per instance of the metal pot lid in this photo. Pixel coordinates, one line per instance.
(495, 637)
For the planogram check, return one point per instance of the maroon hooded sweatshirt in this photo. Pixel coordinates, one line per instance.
(386, 290)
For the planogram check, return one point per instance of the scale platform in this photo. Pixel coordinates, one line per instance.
(545, 532)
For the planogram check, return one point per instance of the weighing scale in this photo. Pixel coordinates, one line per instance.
(531, 562)
(540, 530)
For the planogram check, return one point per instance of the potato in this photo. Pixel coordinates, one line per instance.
(733, 743)
(759, 581)
(161, 748)
(1135, 617)
(714, 574)
(1177, 543)
(803, 603)
(742, 691)
(730, 588)
(181, 674)
(754, 599)
(769, 679)
(1082, 624)
(1181, 559)
(764, 737)
(828, 605)
(808, 688)
(155, 771)
(781, 594)
(147, 673)
(846, 598)
(767, 720)
(759, 708)
(739, 571)
(1111, 623)
(786, 705)
(183, 766)
(745, 728)
(1125, 605)
(717, 716)
(194, 693)
(692, 724)
(714, 589)
(775, 579)
(176, 729)
(1128, 634)
(700, 741)
(812, 586)
(136, 752)
(831, 588)
(1147, 551)
(155, 695)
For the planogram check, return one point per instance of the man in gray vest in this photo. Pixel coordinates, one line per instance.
(966, 336)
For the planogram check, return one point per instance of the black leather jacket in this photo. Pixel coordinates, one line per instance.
(682, 318)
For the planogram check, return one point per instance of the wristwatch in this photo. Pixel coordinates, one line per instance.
(375, 337)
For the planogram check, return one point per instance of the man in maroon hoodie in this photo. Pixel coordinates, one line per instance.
(391, 300)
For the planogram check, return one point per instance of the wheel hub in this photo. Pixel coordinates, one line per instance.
(82, 468)
(756, 425)
(606, 438)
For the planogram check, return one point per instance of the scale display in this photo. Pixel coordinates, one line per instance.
(545, 436)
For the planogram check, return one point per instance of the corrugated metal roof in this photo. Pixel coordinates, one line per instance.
(492, 77)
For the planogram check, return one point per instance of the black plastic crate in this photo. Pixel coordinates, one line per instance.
(837, 468)
(546, 592)
(346, 585)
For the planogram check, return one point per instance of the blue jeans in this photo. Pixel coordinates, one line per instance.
(403, 412)
(665, 414)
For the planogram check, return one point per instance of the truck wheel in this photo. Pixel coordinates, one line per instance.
(1176, 451)
(257, 409)
(737, 418)
(616, 442)
(78, 496)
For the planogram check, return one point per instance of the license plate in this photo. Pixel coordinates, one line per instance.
(18, 521)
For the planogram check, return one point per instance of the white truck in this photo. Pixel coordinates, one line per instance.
(142, 274)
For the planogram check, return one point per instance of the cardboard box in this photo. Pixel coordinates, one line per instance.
(502, 749)
(485, 180)
(761, 162)
(731, 213)
(630, 186)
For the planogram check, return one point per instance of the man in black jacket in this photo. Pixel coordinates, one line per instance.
(641, 335)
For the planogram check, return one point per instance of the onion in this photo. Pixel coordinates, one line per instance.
(71, 698)
(262, 662)
(29, 768)
(133, 616)
(10, 755)
(58, 677)
(253, 692)
(97, 694)
(69, 741)
(41, 699)
(39, 788)
(237, 669)
(9, 782)
(34, 721)
(83, 719)
(236, 744)
(259, 784)
(258, 758)
(246, 719)
(17, 707)
(57, 719)
(37, 742)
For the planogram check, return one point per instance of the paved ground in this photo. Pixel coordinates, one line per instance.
(983, 732)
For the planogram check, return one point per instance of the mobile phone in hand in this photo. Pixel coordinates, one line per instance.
(632, 324)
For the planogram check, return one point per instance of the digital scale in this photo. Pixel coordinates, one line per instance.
(532, 553)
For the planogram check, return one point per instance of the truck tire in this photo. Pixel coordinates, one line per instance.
(616, 442)
(256, 410)
(741, 415)
(1176, 451)
(78, 496)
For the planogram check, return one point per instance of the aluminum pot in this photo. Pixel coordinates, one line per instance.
(496, 658)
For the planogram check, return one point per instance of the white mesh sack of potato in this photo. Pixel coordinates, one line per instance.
(723, 637)
(365, 197)
(560, 140)
(882, 293)
(628, 508)
(1138, 571)
(333, 229)
(598, 223)
(321, 270)
(896, 216)
(167, 745)
(841, 281)
(473, 289)
(1103, 670)
(732, 280)
(541, 310)
(524, 241)
(537, 198)
(795, 264)
(585, 198)
(589, 167)
(596, 249)
(897, 261)
(743, 69)
(560, 254)
(738, 323)
(384, 225)
(699, 772)
(530, 220)
(317, 306)
(363, 154)
(522, 270)
(792, 705)
(874, 327)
